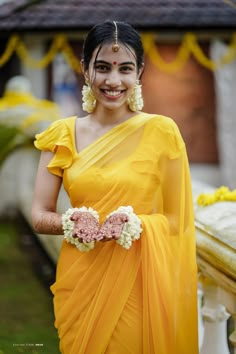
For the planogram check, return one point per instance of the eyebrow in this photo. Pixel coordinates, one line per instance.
(105, 62)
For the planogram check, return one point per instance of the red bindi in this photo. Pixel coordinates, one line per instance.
(114, 62)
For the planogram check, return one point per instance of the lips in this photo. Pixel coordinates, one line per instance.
(113, 93)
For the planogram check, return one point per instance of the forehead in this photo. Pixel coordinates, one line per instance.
(106, 53)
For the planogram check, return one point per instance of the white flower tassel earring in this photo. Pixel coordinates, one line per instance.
(88, 98)
(135, 101)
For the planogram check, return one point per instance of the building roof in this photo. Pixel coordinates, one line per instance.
(54, 15)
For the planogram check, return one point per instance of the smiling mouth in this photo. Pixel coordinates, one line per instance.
(113, 94)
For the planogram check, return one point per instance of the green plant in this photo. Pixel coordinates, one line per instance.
(11, 138)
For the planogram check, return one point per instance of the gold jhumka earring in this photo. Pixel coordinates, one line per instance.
(88, 98)
(135, 101)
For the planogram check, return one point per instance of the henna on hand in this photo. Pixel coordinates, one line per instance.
(112, 227)
(86, 226)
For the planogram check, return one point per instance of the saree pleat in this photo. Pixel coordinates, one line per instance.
(103, 300)
(137, 301)
(67, 294)
(127, 335)
(109, 302)
(156, 287)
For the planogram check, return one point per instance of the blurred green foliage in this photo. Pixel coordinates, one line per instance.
(11, 138)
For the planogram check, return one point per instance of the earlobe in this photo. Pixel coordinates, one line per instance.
(82, 67)
(86, 77)
(140, 72)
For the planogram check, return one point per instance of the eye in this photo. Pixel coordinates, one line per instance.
(126, 68)
(101, 67)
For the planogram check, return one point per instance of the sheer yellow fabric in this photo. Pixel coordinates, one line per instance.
(141, 300)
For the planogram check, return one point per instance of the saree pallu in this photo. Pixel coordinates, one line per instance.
(137, 301)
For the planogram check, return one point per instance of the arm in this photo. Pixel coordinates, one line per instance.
(45, 219)
(172, 202)
(176, 194)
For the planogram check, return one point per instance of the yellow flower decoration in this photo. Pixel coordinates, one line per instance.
(60, 44)
(220, 195)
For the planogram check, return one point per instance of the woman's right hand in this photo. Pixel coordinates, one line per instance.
(86, 226)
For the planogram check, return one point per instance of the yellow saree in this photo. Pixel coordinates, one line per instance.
(137, 301)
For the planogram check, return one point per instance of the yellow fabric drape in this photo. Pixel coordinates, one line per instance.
(141, 300)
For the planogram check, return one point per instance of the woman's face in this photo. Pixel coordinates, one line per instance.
(112, 75)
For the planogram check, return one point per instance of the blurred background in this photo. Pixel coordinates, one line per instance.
(190, 75)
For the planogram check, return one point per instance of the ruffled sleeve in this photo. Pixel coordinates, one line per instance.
(57, 138)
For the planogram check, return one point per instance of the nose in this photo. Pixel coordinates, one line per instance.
(113, 79)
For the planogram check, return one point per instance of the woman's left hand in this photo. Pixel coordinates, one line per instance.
(112, 227)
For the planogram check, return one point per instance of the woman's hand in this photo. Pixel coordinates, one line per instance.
(81, 227)
(86, 226)
(87, 229)
(112, 227)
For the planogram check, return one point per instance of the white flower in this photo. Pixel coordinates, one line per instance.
(68, 227)
(135, 101)
(131, 229)
(88, 98)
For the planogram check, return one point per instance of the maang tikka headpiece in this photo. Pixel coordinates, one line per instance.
(115, 46)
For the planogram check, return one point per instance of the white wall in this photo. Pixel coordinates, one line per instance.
(225, 87)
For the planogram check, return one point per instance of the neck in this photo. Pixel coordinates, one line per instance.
(111, 117)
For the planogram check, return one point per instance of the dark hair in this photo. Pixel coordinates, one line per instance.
(104, 33)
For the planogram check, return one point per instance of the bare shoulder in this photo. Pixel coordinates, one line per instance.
(82, 124)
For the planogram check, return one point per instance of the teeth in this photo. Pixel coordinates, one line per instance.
(112, 93)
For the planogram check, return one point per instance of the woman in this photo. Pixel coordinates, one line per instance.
(112, 299)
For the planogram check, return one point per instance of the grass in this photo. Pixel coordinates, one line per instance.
(26, 320)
